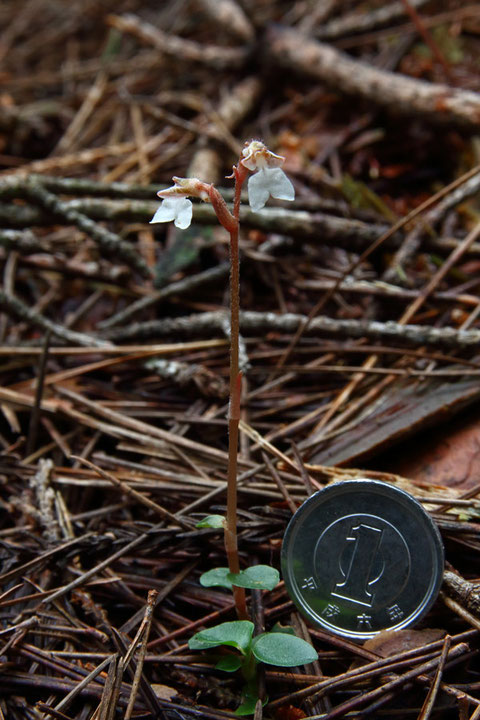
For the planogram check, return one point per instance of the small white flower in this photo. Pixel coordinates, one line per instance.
(268, 181)
(179, 209)
(175, 205)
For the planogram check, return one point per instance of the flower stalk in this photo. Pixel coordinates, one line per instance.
(231, 543)
(266, 178)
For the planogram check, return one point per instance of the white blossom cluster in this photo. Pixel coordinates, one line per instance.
(267, 179)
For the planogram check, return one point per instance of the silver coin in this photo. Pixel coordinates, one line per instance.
(362, 556)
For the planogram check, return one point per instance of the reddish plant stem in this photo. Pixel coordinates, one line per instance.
(231, 545)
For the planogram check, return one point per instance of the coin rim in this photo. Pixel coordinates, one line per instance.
(376, 486)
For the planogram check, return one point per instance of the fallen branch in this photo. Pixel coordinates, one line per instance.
(209, 323)
(230, 17)
(81, 187)
(380, 288)
(398, 93)
(21, 311)
(109, 242)
(350, 234)
(360, 21)
(21, 241)
(181, 287)
(179, 48)
(353, 234)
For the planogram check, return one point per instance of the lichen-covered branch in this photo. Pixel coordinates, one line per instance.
(111, 243)
(252, 323)
(22, 241)
(349, 233)
(18, 309)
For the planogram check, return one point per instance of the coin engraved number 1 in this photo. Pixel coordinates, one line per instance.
(355, 586)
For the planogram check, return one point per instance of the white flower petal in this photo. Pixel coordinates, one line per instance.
(184, 213)
(178, 209)
(166, 212)
(258, 191)
(250, 164)
(279, 185)
(268, 181)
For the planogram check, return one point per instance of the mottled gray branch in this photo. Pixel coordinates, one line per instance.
(398, 93)
(361, 21)
(108, 241)
(184, 374)
(22, 241)
(350, 234)
(187, 285)
(85, 186)
(329, 229)
(18, 309)
(258, 323)
(229, 16)
(80, 187)
(326, 229)
(180, 49)
(380, 288)
(181, 287)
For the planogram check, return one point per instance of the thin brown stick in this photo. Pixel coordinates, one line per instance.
(440, 274)
(397, 681)
(82, 684)
(36, 410)
(427, 37)
(143, 632)
(279, 482)
(435, 686)
(139, 497)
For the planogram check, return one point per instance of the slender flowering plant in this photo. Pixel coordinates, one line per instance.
(265, 178)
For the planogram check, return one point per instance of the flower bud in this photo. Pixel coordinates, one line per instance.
(188, 187)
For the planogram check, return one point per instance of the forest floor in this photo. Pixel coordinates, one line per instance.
(360, 329)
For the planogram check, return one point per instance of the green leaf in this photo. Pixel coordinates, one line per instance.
(182, 253)
(286, 629)
(451, 46)
(211, 521)
(282, 649)
(237, 634)
(217, 577)
(257, 577)
(229, 663)
(250, 699)
(113, 45)
(363, 197)
(247, 707)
